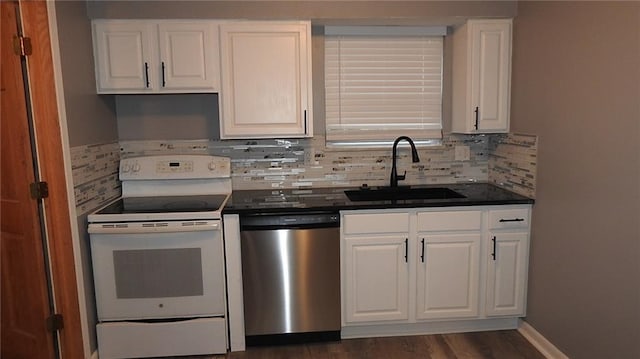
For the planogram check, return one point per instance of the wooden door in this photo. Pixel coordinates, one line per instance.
(25, 294)
(25, 301)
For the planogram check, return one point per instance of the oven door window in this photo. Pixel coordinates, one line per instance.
(158, 275)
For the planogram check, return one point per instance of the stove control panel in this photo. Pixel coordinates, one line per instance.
(174, 167)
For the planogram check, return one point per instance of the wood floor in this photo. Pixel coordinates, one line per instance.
(503, 344)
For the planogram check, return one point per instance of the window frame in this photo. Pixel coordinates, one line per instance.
(339, 135)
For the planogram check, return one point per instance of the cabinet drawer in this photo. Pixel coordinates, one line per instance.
(141, 339)
(509, 218)
(375, 223)
(450, 220)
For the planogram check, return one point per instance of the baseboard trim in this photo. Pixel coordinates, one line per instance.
(94, 355)
(426, 328)
(541, 343)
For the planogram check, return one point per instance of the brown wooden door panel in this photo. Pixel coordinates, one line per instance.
(25, 297)
(25, 301)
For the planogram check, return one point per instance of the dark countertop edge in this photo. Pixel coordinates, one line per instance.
(382, 205)
(373, 206)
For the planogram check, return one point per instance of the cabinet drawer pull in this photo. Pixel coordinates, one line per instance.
(406, 250)
(163, 79)
(512, 220)
(305, 122)
(493, 254)
(146, 74)
(477, 110)
(422, 253)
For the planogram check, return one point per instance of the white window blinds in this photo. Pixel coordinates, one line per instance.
(380, 87)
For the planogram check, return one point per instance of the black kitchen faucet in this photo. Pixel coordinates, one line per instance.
(393, 181)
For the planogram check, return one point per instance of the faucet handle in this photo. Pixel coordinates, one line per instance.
(402, 176)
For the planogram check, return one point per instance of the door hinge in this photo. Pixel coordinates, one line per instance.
(55, 323)
(22, 45)
(39, 190)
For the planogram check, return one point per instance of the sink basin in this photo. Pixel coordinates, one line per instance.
(400, 193)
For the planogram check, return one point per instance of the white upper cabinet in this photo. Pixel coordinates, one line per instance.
(266, 83)
(156, 56)
(189, 56)
(482, 76)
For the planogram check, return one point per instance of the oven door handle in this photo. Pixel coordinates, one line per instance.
(153, 227)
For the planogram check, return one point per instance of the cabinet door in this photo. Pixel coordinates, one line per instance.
(189, 57)
(266, 84)
(448, 275)
(490, 74)
(507, 273)
(376, 279)
(123, 53)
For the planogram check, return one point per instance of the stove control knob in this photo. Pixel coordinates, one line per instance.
(126, 168)
(136, 168)
(212, 166)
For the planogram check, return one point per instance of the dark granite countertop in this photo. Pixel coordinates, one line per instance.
(247, 202)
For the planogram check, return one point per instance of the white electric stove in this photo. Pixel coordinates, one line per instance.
(158, 259)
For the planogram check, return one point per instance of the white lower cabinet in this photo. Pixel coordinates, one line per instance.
(507, 257)
(426, 270)
(377, 279)
(375, 267)
(448, 267)
(447, 276)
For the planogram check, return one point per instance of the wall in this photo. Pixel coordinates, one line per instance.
(576, 83)
(90, 118)
(319, 11)
(92, 132)
(153, 117)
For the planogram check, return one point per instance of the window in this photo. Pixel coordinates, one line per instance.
(383, 82)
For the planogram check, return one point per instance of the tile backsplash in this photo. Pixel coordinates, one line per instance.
(95, 175)
(512, 162)
(296, 163)
(507, 160)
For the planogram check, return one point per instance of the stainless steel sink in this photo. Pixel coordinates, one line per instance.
(400, 193)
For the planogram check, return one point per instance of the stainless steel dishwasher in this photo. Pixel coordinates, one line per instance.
(291, 277)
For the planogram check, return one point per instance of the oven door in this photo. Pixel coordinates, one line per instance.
(146, 270)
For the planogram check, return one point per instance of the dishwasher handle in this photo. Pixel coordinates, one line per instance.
(273, 221)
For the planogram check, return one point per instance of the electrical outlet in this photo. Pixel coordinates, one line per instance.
(462, 153)
(309, 156)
